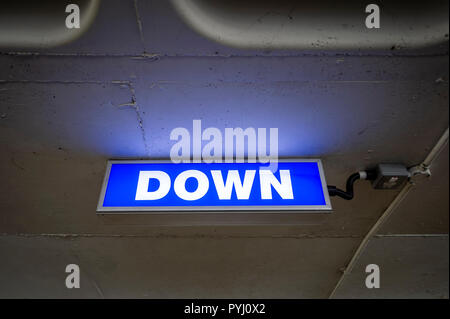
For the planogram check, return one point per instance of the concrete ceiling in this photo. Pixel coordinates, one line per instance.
(311, 25)
(118, 91)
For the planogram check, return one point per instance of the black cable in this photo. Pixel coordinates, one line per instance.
(348, 193)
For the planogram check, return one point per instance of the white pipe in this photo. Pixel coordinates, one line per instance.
(436, 149)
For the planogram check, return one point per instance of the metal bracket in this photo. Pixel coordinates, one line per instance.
(418, 170)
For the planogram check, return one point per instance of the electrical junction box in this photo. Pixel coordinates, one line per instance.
(390, 176)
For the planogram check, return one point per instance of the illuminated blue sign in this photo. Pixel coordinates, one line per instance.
(165, 186)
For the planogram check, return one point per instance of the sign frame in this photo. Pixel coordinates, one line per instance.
(116, 210)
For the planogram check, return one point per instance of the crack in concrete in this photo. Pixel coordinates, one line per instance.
(218, 55)
(171, 236)
(129, 84)
(80, 55)
(160, 84)
(409, 235)
(135, 106)
(139, 23)
(57, 82)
